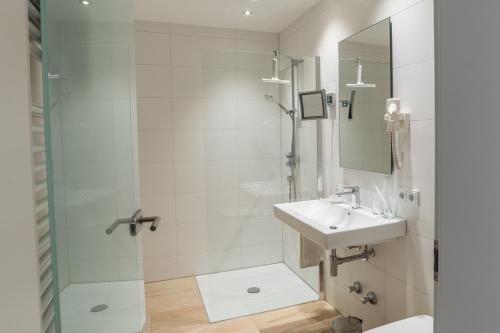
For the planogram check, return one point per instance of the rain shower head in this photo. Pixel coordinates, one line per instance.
(276, 80)
(360, 83)
(276, 68)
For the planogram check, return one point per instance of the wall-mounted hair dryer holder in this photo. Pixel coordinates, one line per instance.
(398, 123)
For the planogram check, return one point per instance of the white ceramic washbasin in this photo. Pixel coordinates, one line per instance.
(336, 225)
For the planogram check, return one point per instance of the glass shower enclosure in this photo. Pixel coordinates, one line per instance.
(91, 107)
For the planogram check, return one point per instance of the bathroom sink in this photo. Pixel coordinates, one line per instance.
(335, 225)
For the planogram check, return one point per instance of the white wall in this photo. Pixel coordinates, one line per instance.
(402, 272)
(209, 149)
(19, 294)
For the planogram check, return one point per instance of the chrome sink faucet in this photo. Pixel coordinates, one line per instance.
(341, 190)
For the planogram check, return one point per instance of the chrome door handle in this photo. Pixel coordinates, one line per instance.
(115, 224)
(135, 223)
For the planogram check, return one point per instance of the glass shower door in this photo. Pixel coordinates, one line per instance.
(90, 98)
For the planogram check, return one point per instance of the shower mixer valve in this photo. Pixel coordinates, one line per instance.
(369, 298)
(356, 288)
(290, 160)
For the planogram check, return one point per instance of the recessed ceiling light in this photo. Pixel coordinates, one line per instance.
(85, 3)
(248, 13)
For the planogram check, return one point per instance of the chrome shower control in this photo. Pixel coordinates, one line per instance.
(370, 298)
(356, 287)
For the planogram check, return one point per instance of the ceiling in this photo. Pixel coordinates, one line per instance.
(269, 15)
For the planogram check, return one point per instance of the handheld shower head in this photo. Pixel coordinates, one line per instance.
(270, 98)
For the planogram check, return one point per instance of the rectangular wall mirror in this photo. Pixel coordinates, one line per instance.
(365, 83)
(313, 105)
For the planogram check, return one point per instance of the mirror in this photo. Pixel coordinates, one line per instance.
(313, 105)
(365, 83)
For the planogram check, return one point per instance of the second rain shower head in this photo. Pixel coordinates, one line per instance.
(360, 83)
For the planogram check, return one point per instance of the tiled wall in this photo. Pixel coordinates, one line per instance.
(401, 274)
(209, 148)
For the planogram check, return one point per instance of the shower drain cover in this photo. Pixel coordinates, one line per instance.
(99, 308)
(253, 290)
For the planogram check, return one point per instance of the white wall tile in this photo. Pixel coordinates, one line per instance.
(152, 48)
(258, 255)
(155, 146)
(194, 30)
(419, 151)
(261, 230)
(257, 199)
(192, 238)
(160, 269)
(221, 145)
(259, 144)
(189, 146)
(264, 48)
(190, 207)
(188, 114)
(247, 60)
(414, 85)
(160, 244)
(189, 177)
(403, 301)
(186, 51)
(219, 83)
(222, 175)
(193, 51)
(223, 235)
(218, 58)
(257, 36)
(220, 114)
(150, 26)
(260, 170)
(156, 178)
(160, 205)
(258, 115)
(153, 81)
(222, 204)
(218, 53)
(410, 259)
(194, 264)
(224, 260)
(187, 82)
(410, 44)
(154, 114)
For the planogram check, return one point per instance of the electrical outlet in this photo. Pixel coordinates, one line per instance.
(413, 197)
(409, 196)
(402, 195)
